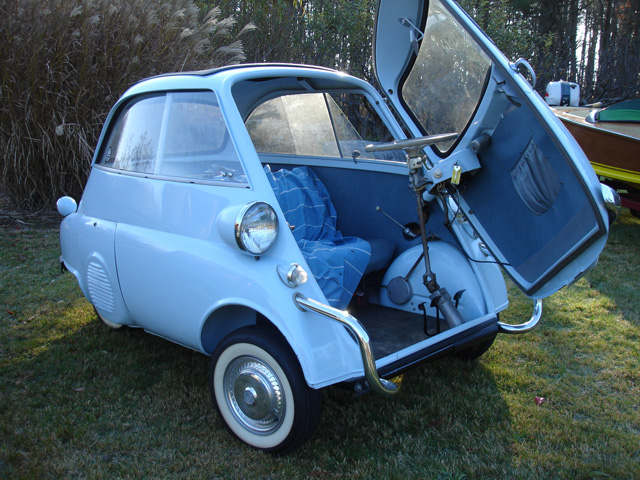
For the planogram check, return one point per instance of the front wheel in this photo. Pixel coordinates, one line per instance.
(260, 392)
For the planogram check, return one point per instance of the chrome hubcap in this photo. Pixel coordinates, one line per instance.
(254, 395)
(250, 396)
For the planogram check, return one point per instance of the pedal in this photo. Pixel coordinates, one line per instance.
(430, 325)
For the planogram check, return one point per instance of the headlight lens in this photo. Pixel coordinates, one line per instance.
(256, 228)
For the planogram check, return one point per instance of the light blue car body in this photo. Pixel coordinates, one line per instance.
(159, 253)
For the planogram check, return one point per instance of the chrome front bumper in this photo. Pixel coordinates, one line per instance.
(377, 384)
(527, 326)
(612, 202)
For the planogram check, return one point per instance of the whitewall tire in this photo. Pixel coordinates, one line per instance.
(108, 323)
(260, 392)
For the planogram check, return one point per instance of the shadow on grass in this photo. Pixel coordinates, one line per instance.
(90, 401)
(449, 421)
(81, 400)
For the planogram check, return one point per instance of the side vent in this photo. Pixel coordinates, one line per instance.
(100, 289)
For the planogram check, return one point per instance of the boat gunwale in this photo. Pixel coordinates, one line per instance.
(600, 126)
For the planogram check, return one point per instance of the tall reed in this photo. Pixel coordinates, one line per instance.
(65, 62)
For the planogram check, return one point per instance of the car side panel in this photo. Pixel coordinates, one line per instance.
(175, 269)
(88, 252)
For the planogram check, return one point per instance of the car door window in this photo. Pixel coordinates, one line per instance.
(175, 135)
(447, 80)
(318, 124)
(133, 145)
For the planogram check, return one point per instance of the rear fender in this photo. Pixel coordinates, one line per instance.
(88, 253)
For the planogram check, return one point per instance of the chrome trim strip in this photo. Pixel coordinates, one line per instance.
(171, 178)
(377, 384)
(527, 326)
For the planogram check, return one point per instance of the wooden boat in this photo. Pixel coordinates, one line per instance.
(610, 138)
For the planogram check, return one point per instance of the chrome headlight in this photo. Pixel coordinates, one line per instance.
(256, 228)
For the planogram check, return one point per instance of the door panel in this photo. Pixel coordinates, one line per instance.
(530, 192)
(531, 243)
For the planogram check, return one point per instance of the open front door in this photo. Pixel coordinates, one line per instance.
(514, 171)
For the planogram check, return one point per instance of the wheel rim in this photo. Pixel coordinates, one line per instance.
(254, 395)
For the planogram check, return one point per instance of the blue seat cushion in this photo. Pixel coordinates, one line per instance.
(336, 262)
(382, 251)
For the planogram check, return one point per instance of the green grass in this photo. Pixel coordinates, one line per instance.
(78, 400)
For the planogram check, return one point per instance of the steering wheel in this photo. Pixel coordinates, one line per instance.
(411, 145)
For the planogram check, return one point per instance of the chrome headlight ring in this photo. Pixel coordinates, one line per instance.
(256, 228)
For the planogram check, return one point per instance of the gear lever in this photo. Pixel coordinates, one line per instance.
(406, 230)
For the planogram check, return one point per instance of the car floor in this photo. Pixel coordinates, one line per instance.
(389, 330)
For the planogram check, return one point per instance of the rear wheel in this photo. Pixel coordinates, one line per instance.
(260, 392)
(108, 323)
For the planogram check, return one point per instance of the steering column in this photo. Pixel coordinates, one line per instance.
(440, 298)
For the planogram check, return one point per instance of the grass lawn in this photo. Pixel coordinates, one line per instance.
(78, 400)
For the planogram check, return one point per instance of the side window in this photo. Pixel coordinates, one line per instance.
(451, 69)
(177, 134)
(318, 124)
(133, 145)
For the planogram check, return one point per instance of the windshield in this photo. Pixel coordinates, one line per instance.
(450, 70)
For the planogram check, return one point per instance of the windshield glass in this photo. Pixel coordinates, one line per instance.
(445, 85)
